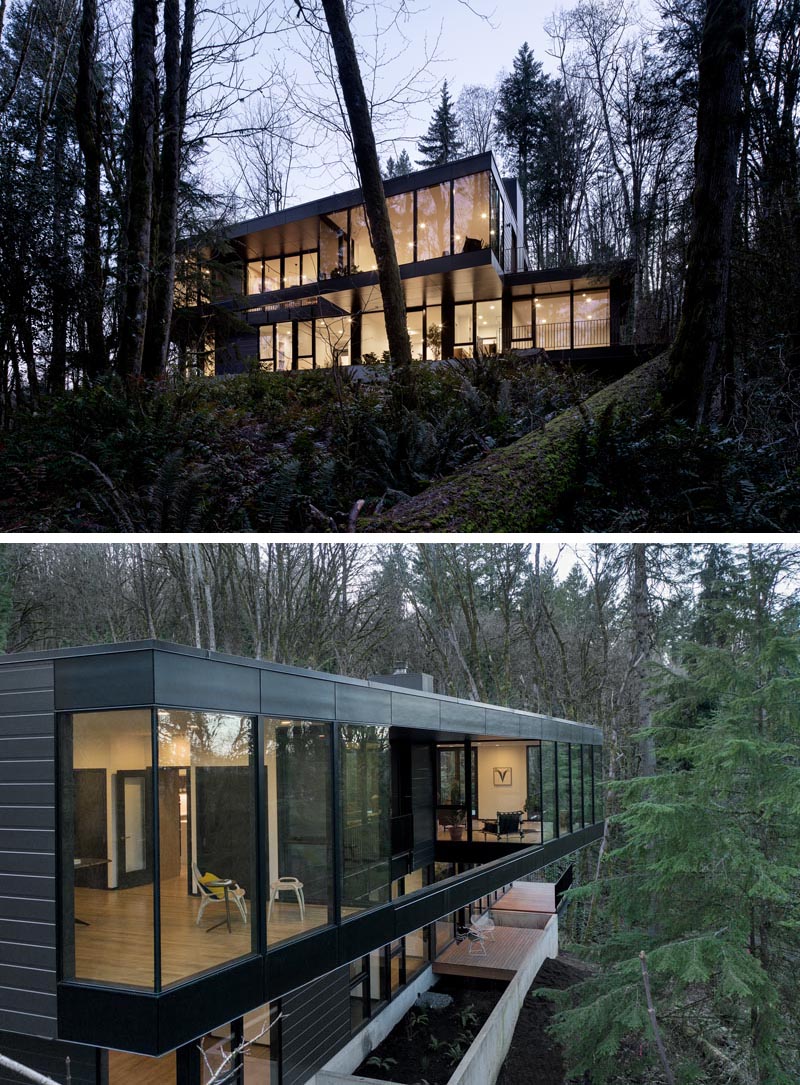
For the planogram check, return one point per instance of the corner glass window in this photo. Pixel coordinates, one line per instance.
(548, 790)
(576, 785)
(401, 218)
(107, 847)
(362, 258)
(255, 276)
(433, 222)
(291, 270)
(365, 773)
(588, 819)
(272, 273)
(463, 327)
(297, 756)
(333, 245)
(471, 213)
(206, 815)
(266, 346)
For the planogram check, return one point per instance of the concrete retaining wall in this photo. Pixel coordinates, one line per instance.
(482, 1063)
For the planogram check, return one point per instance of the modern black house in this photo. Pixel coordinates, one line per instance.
(303, 292)
(195, 846)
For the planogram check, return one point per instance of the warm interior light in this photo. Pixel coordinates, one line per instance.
(491, 307)
(484, 215)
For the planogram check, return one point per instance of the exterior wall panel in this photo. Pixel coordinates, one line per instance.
(27, 850)
(295, 696)
(101, 680)
(49, 1058)
(316, 1025)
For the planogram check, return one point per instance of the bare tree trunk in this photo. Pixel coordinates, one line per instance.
(201, 568)
(141, 156)
(698, 347)
(366, 155)
(177, 70)
(87, 119)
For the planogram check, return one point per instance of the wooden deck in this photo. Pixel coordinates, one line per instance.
(504, 956)
(528, 897)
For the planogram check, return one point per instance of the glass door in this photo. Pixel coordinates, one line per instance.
(133, 828)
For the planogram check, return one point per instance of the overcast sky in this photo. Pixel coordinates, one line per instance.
(472, 41)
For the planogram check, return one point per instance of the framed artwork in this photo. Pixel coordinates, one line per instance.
(502, 777)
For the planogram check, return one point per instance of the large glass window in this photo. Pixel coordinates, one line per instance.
(591, 315)
(401, 218)
(433, 222)
(310, 267)
(414, 324)
(305, 345)
(373, 336)
(496, 221)
(125, 1067)
(433, 336)
(333, 245)
(576, 785)
(107, 841)
(599, 797)
(471, 212)
(299, 843)
(533, 807)
(366, 793)
(283, 346)
(333, 341)
(521, 319)
(463, 330)
(260, 1059)
(291, 270)
(255, 271)
(362, 257)
(564, 799)
(266, 346)
(488, 318)
(206, 815)
(553, 322)
(588, 817)
(548, 790)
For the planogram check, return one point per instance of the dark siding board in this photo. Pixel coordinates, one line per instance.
(294, 696)
(24, 951)
(360, 704)
(505, 724)
(27, 862)
(27, 725)
(457, 716)
(38, 747)
(186, 681)
(423, 794)
(410, 711)
(27, 849)
(41, 911)
(29, 979)
(49, 1057)
(17, 794)
(27, 817)
(121, 679)
(14, 677)
(30, 1002)
(317, 1024)
(28, 932)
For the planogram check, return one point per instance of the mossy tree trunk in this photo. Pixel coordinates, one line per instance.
(698, 347)
(366, 156)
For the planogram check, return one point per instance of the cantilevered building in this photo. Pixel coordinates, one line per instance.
(303, 285)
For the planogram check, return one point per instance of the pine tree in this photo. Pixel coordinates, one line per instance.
(442, 142)
(705, 873)
(521, 111)
(400, 166)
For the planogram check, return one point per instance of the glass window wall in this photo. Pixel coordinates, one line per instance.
(599, 796)
(401, 218)
(309, 270)
(564, 799)
(488, 321)
(283, 346)
(576, 785)
(471, 212)
(433, 336)
(591, 314)
(260, 1058)
(414, 324)
(373, 336)
(463, 330)
(522, 321)
(107, 848)
(291, 270)
(588, 817)
(362, 257)
(255, 276)
(433, 222)
(206, 814)
(298, 768)
(333, 341)
(496, 220)
(305, 345)
(266, 346)
(553, 322)
(365, 774)
(272, 273)
(333, 245)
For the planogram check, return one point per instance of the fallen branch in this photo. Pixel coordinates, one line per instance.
(28, 1074)
(662, 1054)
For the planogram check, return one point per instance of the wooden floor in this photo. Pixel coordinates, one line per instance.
(117, 946)
(503, 958)
(127, 1069)
(528, 897)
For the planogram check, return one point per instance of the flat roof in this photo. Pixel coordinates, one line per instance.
(396, 709)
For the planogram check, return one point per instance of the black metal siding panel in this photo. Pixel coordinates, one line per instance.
(316, 1025)
(294, 696)
(49, 1057)
(502, 724)
(27, 849)
(205, 683)
(115, 680)
(462, 716)
(360, 704)
(410, 711)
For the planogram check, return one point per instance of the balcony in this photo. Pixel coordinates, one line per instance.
(565, 335)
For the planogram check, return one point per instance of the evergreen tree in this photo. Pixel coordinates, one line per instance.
(705, 873)
(522, 111)
(400, 166)
(442, 142)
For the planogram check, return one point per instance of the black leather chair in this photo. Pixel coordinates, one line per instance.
(507, 823)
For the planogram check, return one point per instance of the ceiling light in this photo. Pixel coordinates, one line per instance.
(484, 215)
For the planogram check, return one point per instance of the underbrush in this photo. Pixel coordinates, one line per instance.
(263, 451)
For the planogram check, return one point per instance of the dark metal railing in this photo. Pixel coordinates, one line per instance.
(563, 335)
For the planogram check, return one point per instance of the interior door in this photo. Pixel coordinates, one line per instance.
(134, 828)
(91, 830)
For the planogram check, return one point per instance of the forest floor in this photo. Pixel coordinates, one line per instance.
(499, 444)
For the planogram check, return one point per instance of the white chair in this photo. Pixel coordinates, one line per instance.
(226, 890)
(287, 885)
(484, 924)
(475, 941)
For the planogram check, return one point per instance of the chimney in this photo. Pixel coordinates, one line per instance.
(402, 676)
